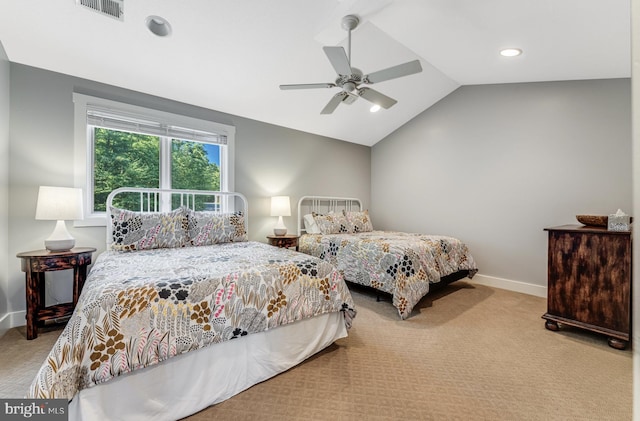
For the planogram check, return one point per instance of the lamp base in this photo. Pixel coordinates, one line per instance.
(280, 231)
(59, 245)
(60, 239)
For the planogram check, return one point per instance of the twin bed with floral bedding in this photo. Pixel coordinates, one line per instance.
(182, 312)
(404, 265)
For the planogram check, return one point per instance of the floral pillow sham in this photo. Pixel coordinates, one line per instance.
(206, 228)
(147, 230)
(359, 221)
(332, 223)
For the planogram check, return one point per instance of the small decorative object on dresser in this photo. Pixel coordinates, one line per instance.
(34, 265)
(589, 281)
(283, 241)
(619, 221)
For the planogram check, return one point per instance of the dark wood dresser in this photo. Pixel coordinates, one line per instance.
(589, 281)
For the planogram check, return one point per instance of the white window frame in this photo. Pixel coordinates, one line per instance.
(83, 147)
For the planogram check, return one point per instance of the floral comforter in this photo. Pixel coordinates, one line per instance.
(401, 264)
(140, 308)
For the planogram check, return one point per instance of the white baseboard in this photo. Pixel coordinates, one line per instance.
(511, 285)
(11, 320)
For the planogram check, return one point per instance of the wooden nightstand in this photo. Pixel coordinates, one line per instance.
(35, 264)
(284, 241)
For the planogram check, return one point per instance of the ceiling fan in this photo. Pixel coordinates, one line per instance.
(350, 78)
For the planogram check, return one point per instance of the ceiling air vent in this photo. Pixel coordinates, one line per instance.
(112, 8)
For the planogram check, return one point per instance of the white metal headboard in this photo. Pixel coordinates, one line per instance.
(165, 200)
(323, 205)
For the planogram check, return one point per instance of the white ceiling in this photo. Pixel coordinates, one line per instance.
(232, 55)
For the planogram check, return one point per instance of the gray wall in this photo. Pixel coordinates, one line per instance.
(270, 160)
(4, 184)
(496, 164)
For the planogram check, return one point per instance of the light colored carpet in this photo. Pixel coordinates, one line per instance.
(469, 352)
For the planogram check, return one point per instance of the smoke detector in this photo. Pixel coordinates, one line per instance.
(111, 8)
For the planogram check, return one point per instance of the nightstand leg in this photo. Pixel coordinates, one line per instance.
(79, 273)
(34, 287)
(79, 276)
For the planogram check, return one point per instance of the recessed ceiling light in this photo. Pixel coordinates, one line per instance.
(374, 108)
(510, 52)
(159, 26)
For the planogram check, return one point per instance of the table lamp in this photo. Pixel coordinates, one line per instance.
(59, 204)
(280, 207)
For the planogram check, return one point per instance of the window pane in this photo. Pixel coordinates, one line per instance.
(123, 159)
(195, 166)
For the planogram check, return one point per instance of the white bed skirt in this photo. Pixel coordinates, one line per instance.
(188, 383)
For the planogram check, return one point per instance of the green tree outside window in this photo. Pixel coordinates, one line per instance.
(125, 159)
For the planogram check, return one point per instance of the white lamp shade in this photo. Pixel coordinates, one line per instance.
(280, 206)
(59, 203)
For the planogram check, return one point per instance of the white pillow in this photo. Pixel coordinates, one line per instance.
(310, 225)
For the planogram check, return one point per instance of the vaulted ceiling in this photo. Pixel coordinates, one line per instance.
(232, 55)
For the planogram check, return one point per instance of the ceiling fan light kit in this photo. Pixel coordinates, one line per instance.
(350, 78)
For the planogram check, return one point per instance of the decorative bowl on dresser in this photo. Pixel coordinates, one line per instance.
(593, 220)
(589, 281)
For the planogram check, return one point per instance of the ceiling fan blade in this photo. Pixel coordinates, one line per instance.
(334, 102)
(376, 97)
(394, 72)
(308, 86)
(338, 59)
